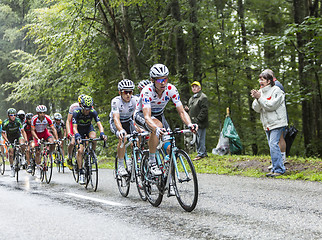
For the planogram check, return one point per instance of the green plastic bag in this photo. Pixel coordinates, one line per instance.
(230, 132)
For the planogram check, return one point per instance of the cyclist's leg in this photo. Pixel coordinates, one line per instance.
(92, 134)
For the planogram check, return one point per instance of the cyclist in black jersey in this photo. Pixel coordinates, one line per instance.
(83, 128)
(12, 129)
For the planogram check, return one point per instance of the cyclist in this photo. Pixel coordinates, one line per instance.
(39, 130)
(121, 118)
(21, 115)
(60, 126)
(83, 128)
(149, 113)
(70, 131)
(12, 130)
(27, 128)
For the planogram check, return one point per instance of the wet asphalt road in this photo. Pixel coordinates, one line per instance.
(229, 207)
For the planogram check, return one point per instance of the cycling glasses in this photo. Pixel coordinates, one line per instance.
(11, 115)
(127, 92)
(161, 80)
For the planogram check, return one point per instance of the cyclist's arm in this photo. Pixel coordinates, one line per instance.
(54, 131)
(24, 134)
(184, 115)
(33, 132)
(4, 135)
(117, 122)
(148, 119)
(75, 128)
(100, 127)
(68, 120)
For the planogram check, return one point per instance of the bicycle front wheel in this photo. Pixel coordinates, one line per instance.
(123, 182)
(2, 164)
(17, 166)
(61, 158)
(138, 179)
(92, 176)
(49, 167)
(75, 170)
(150, 183)
(184, 180)
(56, 158)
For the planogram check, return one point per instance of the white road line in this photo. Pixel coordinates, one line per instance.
(95, 199)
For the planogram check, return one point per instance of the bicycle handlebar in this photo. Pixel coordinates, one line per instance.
(180, 131)
(134, 134)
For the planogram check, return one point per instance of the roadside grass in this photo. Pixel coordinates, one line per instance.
(298, 168)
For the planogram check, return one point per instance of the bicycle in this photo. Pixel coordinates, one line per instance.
(133, 166)
(46, 166)
(59, 157)
(17, 158)
(2, 161)
(89, 164)
(177, 171)
(32, 158)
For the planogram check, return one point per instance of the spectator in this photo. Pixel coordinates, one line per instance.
(198, 111)
(269, 101)
(282, 143)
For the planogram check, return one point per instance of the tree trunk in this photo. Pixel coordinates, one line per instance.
(300, 12)
(252, 116)
(196, 51)
(181, 53)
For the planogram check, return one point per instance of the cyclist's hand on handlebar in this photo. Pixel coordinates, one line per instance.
(38, 141)
(103, 136)
(69, 136)
(121, 134)
(78, 138)
(193, 127)
(160, 131)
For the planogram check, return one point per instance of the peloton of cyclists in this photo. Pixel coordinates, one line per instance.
(12, 130)
(121, 118)
(83, 128)
(39, 130)
(149, 113)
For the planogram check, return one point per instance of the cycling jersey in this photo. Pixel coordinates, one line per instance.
(125, 109)
(149, 99)
(70, 111)
(27, 128)
(12, 129)
(59, 126)
(41, 126)
(82, 120)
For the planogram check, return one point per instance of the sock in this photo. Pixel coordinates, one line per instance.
(121, 162)
(284, 156)
(152, 160)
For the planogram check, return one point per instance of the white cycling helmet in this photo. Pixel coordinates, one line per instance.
(125, 84)
(57, 116)
(41, 108)
(159, 70)
(21, 112)
(143, 83)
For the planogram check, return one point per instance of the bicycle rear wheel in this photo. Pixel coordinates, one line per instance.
(75, 170)
(49, 167)
(56, 158)
(150, 183)
(123, 182)
(92, 176)
(138, 179)
(16, 166)
(2, 164)
(184, 180)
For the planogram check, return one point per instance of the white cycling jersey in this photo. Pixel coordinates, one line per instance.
(125, 109)
(149, 98)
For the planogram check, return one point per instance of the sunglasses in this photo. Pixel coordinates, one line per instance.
(127, 92)
(11, 115)
(161, 80)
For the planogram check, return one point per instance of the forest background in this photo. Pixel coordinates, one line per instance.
(52, 51)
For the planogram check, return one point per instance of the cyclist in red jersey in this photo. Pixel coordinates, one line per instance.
(39, 129)
(70, 130)
(27, 127)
